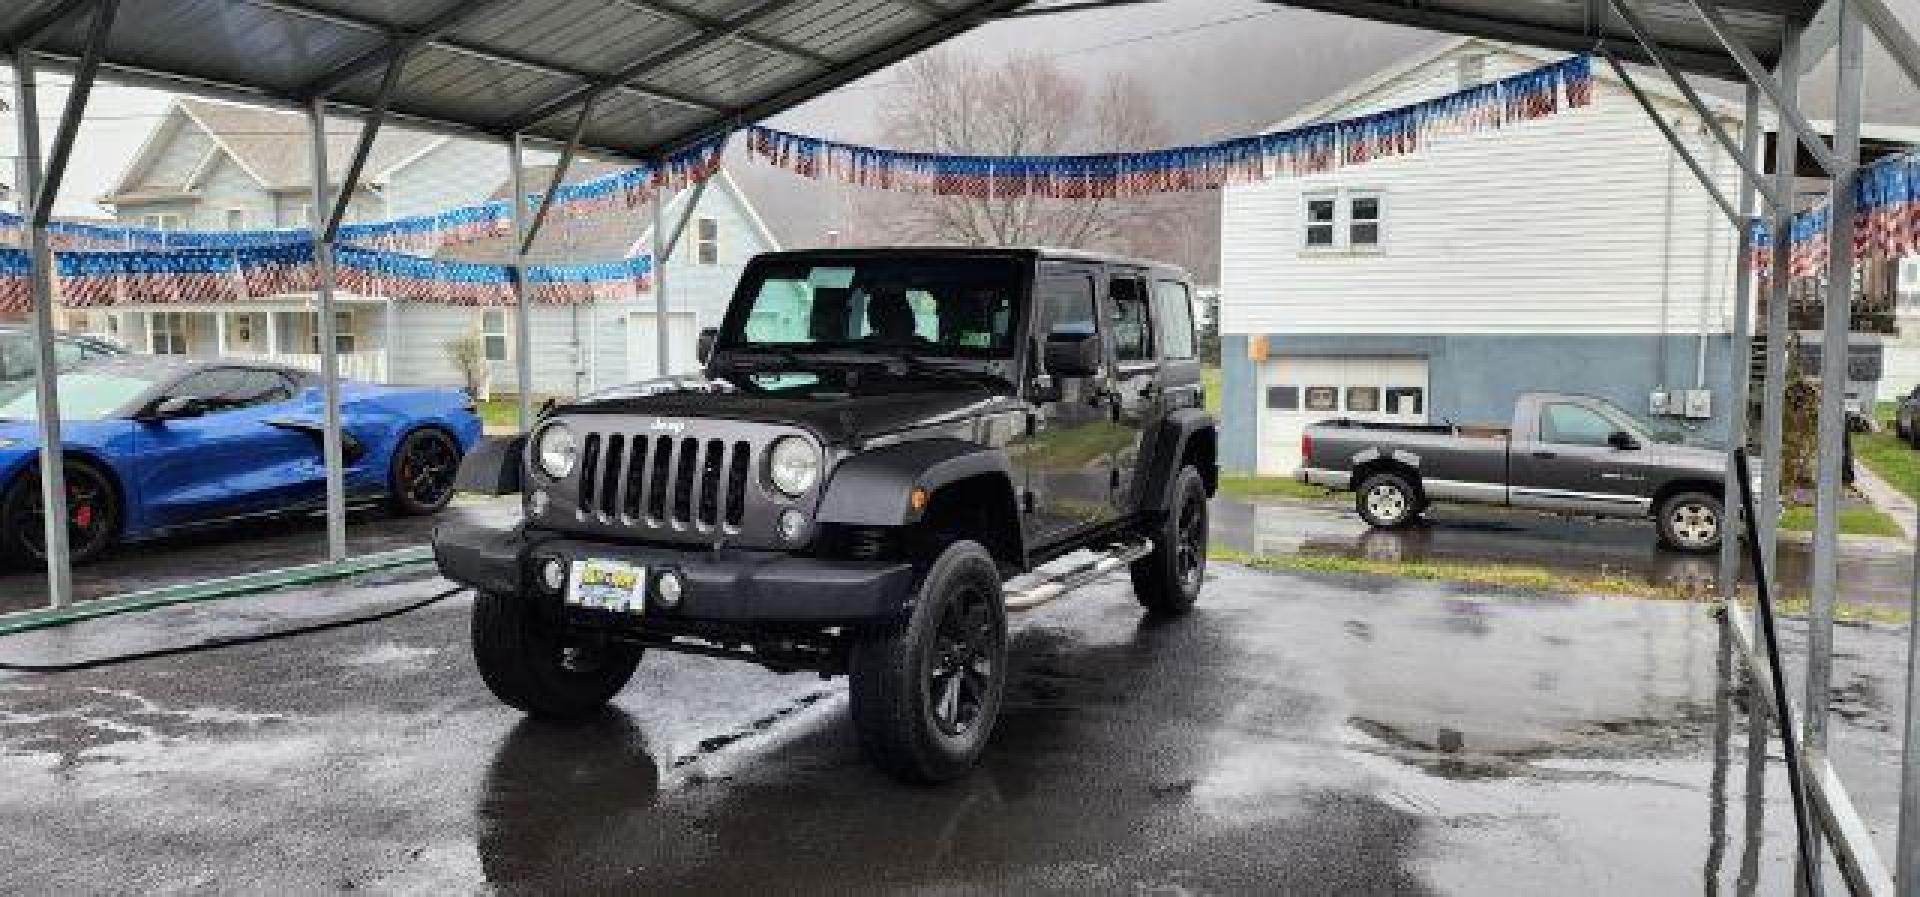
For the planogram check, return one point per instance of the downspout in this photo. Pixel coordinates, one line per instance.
(1666, 273)
(1709, 275)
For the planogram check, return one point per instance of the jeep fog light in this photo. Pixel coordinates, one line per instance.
(669, 588)
(791, 523)
(553, 574)
(793, 465)
(555, 451)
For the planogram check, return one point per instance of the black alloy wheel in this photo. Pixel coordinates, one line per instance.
(424, 467)
(1167, 581)
(93, 515)
(961, 667)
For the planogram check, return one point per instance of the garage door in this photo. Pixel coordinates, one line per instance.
(1300, 390)
(643, 346)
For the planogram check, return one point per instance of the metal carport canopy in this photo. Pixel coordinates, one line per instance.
(664, 73)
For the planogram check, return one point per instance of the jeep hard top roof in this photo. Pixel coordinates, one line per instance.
(950, 250)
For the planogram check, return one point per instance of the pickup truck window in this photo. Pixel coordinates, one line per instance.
(1563, 423)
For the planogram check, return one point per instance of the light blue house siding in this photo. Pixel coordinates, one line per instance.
(1473, 378)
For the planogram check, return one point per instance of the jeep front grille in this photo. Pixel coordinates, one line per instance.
(671, 481)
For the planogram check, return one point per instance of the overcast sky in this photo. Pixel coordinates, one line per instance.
(1218, 68)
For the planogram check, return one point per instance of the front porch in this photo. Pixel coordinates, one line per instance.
(287, 333)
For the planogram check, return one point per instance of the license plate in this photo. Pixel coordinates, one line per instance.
(608, 585)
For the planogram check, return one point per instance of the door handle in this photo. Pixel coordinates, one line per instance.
(1543, 453)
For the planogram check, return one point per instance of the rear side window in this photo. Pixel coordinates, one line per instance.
(1176, 319)
(1066, 306)
(1566, 424)
(1132, 322)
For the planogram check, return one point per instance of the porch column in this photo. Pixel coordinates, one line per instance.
(273, 334)
(220, 334)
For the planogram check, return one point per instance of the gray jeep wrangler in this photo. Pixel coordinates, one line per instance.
(889, 450)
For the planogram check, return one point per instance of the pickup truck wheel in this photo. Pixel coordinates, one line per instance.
(1167, 581)
(1387, 501)
(926, 690)
(1691, 521)
(530, 667)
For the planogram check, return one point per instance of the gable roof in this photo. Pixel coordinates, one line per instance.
(1360, 91)
(272, 147)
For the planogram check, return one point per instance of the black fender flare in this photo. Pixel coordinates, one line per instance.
(494, 466)
(875, 488)
(1166, 447)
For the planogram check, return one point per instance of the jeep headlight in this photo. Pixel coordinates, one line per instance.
(793, 466)
(556, 451)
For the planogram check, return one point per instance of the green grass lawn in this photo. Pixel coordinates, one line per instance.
(1892, 459)
(1856, 521)
(499, 411)
(1210, 381)
(1254, 488)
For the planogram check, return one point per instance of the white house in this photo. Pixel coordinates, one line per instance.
(210, 166)
(1572, 253)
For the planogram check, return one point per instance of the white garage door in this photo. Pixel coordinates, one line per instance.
(643, 346)
(1299, 390)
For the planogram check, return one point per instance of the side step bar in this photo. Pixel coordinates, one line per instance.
(1118, 555)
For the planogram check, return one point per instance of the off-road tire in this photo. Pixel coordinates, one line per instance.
(900, 699)
(1167, 581)
(529, 668)
(1682, 515)
(1388, 501)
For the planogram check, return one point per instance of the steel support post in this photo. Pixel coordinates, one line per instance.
(1833, 385)
(1740, 360)
(1906, 850)
(1786, 158)
(522, 293)
(330, 443)
(660, 280)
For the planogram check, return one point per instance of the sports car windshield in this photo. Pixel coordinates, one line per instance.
(84, 395)
(926, 306)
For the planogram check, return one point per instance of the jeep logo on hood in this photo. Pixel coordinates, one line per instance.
(663, 425)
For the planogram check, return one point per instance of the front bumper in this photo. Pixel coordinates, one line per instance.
(728, 585)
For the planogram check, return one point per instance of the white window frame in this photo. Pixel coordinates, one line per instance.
(1343, 199)
(343, 333)
(238, 219)
(162, 221)
(701, 245)
(173, 325)
(505, 333)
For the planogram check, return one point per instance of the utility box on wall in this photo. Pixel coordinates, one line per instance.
(1696, 403)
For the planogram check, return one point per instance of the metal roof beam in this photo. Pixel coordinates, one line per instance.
(401, 43)
(1493, 28)
(1754, 180)
(553, 183)
(1898, 42)
(751, 38)
(369, 129)
(591, 86)
(36, 28)
(1673, 140)
(926, 8)
(1757, 73)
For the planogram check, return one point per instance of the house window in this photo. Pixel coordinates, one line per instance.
(236, 219)
(343, 336)
(493, 335)
(1320, 224)
(1323, 398)
(167, 333)
(706, 241)
(243, 328)
(167, 221)
(1364, 399)
(1406, 400)
(1283, 398)
(1344, 221)
(1471, 71)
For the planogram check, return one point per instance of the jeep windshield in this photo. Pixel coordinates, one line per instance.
(899, 307)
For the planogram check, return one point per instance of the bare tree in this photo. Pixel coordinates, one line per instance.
(1026, 106)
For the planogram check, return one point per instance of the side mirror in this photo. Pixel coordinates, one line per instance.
(1073, 356)
(704, 349)
(1622, 440)
(178, 408)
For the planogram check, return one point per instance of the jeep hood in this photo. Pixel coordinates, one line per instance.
(837, 410)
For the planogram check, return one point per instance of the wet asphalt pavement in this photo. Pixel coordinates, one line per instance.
(1295, 734)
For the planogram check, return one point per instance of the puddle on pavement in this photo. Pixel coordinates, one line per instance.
(1581, 547)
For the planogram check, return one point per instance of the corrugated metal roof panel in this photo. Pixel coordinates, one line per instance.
(672, 71)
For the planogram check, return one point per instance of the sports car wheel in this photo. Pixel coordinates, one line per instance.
(93, 515)
(423, 469)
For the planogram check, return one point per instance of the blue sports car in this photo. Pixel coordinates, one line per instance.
(156, 444)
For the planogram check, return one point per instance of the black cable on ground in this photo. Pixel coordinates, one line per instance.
(1783, 711)
(231, 641)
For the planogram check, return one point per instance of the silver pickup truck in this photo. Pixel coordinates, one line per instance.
(1567, 453)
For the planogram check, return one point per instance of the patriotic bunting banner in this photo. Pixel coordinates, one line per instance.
(1886, 222)
(1316, 148)
(106, 279)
